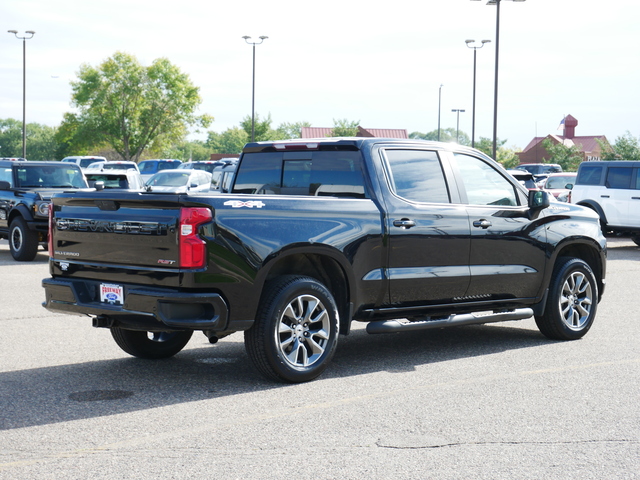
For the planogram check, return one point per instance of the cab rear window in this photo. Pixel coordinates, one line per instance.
(317, 173)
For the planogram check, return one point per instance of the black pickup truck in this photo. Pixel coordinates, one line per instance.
(314, 234)
(25, 194)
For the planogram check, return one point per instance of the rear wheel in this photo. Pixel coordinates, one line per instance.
(296, 332)
(572, 301)
(23, 242)
(152, 345)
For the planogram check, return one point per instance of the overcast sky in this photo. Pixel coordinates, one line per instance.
(380, 63)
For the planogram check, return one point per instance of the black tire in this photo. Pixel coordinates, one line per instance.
(23, 242)
(296, 332)
(151, 345)
(572, 301)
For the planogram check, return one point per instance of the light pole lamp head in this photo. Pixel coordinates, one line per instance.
(15, 32)
(247, 38)
(469, 41)
(485, 41)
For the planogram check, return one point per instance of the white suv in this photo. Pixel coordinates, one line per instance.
(613, 190)
(84, 161)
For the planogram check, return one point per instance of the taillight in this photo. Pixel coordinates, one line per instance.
(193, 249)
(50, 240)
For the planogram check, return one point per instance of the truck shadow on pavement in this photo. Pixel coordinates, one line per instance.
(6, 259)
(64, 393)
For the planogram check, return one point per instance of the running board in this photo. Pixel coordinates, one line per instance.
(388, 326)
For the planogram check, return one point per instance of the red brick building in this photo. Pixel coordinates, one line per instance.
(588, 144)
(321, 132)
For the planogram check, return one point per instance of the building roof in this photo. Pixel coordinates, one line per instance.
(319, 132)
(588, 143)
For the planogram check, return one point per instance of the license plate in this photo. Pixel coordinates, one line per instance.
(110, 293)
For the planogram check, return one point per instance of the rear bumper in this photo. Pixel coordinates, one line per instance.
(143, 307)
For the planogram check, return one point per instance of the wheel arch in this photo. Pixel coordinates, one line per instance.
(595, 206)
(325, 264)
(19, 211)
(592, 256)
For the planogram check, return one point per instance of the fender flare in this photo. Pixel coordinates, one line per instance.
(20, 210)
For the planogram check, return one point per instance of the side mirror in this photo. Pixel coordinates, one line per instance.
(99, 185)
(4, 185)
(538, 199)
(569, 186)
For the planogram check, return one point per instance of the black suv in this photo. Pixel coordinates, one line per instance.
(25, 192)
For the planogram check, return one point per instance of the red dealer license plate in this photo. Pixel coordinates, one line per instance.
(110, 293)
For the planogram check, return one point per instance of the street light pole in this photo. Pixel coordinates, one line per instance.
(253, 85)
(495, 86)
(473, 110)
(458, 110)
(24, 85)
(439, 103)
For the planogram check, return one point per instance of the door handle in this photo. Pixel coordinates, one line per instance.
(404, 223)
(605, 196)
(482, 223)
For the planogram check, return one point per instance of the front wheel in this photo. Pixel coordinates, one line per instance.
(23, 242)
(151, 345)
(572, 301)
(296, 332)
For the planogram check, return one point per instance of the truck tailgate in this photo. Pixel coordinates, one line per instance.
(128, 229)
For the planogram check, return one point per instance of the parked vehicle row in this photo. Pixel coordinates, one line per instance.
(26, 189)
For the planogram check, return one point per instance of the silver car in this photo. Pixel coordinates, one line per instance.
(179, 181)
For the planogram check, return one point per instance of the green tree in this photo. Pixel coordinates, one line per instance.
(567, 157)
(194, 149)
(507, 157)
(10, 138)
(230, 141)
(344, 128)
(41, 143)
(626, 147)
(262, 128)
(131, 107)
(290, 130)
(446, 135)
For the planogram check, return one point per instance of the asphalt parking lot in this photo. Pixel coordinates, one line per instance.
(495, 401)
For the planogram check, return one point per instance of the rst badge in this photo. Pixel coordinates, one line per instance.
(248, 204)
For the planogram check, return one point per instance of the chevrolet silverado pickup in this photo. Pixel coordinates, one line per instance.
(315, 234)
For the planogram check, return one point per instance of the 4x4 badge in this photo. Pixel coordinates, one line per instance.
(249, 204)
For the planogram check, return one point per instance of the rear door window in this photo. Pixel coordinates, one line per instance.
(589, 175)
(417, 175)
(619, 177)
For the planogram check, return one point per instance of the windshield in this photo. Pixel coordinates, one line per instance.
(50, 176)
(85, 162)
